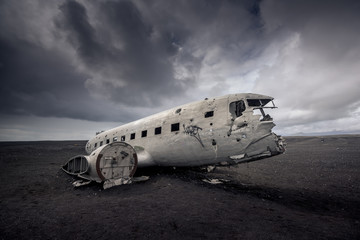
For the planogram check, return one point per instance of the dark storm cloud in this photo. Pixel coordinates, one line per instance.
(80, 33)
(32, 78)
(43, 81)
(139, 72)
(34, 82)
(315, 73)
(96, 60)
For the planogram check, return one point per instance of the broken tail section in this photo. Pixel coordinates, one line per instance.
(113, 164)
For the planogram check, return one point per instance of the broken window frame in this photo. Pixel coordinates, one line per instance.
(262, 104)
(95, 145)
(209, 114)
(236, 108)
(122, 138)
(175, 127)
(107, 141)
(115, 139)
(101, 143)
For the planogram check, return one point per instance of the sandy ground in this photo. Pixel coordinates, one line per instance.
(310, 192)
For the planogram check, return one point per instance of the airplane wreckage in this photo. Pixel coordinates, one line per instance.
(218, 131)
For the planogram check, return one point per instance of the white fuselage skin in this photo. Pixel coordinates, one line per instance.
(208, 132)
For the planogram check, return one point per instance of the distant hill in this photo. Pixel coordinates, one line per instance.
(326, 133)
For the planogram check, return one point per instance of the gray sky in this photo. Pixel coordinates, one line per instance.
(71, 68)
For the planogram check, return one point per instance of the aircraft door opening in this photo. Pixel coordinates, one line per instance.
(237, 108)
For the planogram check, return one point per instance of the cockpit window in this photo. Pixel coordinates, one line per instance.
(259, 106)
(236, 108)
(257, 102)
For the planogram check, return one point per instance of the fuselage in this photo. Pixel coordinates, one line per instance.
(230, 129)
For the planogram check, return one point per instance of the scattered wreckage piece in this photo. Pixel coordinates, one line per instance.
(215, 180)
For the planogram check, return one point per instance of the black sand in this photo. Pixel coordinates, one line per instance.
(311, 192)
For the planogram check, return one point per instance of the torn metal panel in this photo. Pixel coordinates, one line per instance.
(194, 132)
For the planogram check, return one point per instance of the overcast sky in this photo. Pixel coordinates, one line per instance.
(71, 68)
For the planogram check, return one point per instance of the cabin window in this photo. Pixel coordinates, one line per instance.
(122, 138)
(157, 130)
(95, 145)
(107, 141)
(175, 127)
(101, 143)
(144, 133)
(257, 102)
(132, 136)
(115, 139)
(209, 114)
(236, 108)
